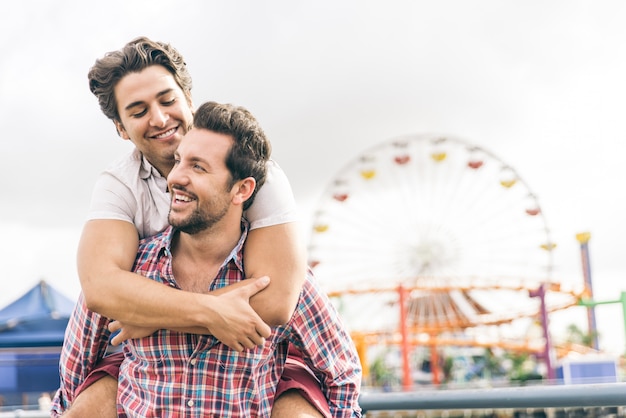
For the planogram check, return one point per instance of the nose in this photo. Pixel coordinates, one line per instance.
(177, 176)
(158, 117)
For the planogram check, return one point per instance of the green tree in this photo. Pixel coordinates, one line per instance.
(575, 335)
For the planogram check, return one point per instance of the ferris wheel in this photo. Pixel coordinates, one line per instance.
(448, 222)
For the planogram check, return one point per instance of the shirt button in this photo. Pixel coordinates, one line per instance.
(193, 361)
(190, 403)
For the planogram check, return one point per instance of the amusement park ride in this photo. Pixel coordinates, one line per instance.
(427, 241)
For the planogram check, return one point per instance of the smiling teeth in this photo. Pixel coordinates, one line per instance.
(183, 198)
(164, 134)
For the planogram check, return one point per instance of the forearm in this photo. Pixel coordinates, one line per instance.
(134, 299)
(106, 255)
(225, 313)
(105, 259)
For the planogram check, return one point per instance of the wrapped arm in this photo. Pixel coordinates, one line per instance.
(108, 247)
(107, 250)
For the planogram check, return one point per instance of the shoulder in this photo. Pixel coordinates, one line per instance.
(275, 172)
(126, 168)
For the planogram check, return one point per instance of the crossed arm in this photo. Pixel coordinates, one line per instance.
(239, 315)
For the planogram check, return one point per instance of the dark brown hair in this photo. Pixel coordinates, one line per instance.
(251, 149)
(135, 56)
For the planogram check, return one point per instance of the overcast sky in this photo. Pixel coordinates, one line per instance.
(542, 85)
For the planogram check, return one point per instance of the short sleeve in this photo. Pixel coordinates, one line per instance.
(274, 203)
(112, 199)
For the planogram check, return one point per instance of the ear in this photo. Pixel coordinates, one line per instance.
(242, 190)
(121, 131)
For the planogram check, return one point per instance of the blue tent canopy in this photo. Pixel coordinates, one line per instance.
(31, 336)
(36, 319)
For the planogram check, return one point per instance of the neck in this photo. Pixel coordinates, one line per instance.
(163, 169)
(206, 250)
(163, 166)
(197, 258)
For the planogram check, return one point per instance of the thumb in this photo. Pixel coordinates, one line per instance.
(256, 285)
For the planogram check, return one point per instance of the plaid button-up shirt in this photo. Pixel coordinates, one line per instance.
(189, 375)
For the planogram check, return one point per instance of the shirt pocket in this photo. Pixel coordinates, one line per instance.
(231, 361)
(145, 359)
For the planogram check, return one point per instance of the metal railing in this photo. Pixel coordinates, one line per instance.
(558, 396)
(21, 413)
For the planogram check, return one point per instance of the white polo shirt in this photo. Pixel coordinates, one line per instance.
(132, 190)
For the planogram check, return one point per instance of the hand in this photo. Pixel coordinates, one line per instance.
(232, 320)
(128, 331)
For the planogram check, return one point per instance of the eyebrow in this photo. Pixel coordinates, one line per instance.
(139, 102)
(200, 160)
(194, 159)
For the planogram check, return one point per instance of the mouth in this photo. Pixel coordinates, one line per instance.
(166, 134)
(180, 199)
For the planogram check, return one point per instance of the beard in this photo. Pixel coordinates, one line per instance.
(202, 218)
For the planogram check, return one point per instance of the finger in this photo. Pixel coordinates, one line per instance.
(117, 340)
(264, 330)
(236, 346)
(248, 343)
(258, 340)
(114, 326)
(255, 341)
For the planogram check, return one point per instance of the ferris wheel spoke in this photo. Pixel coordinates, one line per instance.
(447, 222)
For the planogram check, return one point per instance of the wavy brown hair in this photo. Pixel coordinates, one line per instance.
(135, 56)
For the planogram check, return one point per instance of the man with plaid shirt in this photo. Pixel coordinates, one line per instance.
(219, 165)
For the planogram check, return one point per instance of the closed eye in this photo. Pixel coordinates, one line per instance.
(139, 114)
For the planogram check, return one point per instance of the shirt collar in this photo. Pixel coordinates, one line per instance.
(146, 169)
(163, 242)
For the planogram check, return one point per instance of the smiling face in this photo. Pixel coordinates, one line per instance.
(200, 183)
(154, 114)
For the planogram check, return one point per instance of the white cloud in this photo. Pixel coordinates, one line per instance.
(30, 254)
